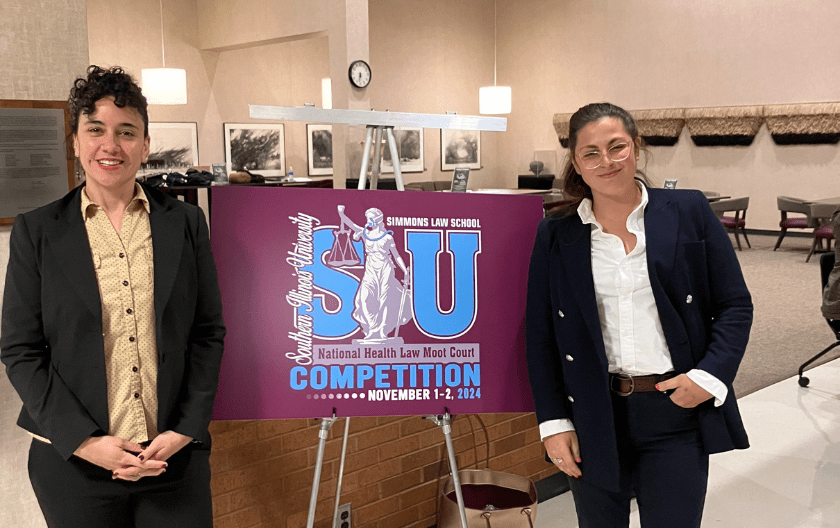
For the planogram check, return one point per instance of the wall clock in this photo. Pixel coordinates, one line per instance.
(359, 74)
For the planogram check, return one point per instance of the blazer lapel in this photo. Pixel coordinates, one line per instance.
(72, 249)
(575, 248)
(167, 241)
(661, 231)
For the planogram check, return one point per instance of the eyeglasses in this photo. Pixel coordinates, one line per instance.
(592, 159)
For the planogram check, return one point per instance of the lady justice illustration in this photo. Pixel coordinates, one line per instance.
(382, 304)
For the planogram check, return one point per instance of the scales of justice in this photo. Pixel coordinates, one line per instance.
(376, 243)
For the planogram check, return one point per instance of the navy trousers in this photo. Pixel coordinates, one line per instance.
(74, 493)
(663, 464)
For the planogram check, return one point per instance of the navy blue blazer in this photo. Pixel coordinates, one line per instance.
(51, 339)
(702, 300)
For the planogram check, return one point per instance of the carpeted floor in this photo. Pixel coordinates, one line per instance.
(788, 327)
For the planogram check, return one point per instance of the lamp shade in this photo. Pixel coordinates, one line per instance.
(164, 86)
(494, 100)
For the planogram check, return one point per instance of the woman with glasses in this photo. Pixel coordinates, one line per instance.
(637, 319)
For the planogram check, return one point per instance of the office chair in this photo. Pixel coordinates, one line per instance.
(826, 265)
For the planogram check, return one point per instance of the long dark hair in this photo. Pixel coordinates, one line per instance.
(574, 188)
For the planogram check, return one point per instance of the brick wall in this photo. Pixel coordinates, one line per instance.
(263, 470)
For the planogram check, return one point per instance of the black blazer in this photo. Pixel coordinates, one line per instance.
(51, 339)
(703, 303)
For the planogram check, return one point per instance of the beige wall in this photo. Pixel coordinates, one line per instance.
(432, 56)
(43, 47)
(236, 23)
(138, 46)
(427, 56)
(558, 56)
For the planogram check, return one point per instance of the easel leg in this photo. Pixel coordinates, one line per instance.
(442, 421)
(341, 472)
(366, 158)
(395, 158)
(323, 433)
(377, 159)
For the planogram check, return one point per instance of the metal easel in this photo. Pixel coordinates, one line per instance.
(441, 420)
(377, 123)
(376, 130)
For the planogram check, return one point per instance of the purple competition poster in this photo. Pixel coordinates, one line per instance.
(372, 303)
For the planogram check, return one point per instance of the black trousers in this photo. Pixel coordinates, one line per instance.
(662, 462)
(74, 493)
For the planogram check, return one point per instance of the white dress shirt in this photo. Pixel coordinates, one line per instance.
(633, 337)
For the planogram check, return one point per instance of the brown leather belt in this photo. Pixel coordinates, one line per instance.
(625, 385)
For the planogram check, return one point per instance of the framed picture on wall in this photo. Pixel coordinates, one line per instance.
(173, 147)
(257, 148)
(319, 149)
(460, 148)
(410, 148)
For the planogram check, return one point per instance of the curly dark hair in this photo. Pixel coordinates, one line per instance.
(574, 187)
(101, 83)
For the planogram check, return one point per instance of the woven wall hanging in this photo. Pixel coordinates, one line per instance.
(724, 125)
(807, 123)
(660, 128)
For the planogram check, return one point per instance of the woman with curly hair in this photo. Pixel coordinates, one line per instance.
(112, 331)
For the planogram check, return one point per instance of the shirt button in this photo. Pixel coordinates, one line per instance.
(688, 299)
(560, 313)
(133, 369)
(571, 399)
(125, 283)
(122, 255)
(136, 395)
(128, 311)
(569, 358)
(131, 339)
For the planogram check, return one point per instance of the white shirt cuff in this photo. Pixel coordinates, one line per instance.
(553, 427)
(710, 384)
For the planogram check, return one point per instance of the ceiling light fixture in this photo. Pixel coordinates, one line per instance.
(164, 86)
(494, 99)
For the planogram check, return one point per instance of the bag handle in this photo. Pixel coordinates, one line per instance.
(486, 442)
(525, 511)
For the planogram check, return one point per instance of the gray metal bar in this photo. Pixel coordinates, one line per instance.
(377, 159)
(370, 117)
(395, 158)
(323, 433)
(443, 422)
(365, 159)
(341, 471)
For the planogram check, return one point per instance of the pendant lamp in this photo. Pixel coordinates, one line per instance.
(494, 99)
(164, 86)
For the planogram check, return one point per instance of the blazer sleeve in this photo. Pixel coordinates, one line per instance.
(25, 350)
(206, 340)
(730, 303)
(545, 370)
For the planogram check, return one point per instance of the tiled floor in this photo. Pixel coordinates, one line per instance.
(788, 478)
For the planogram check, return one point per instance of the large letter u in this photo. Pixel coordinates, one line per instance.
(425, 249)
